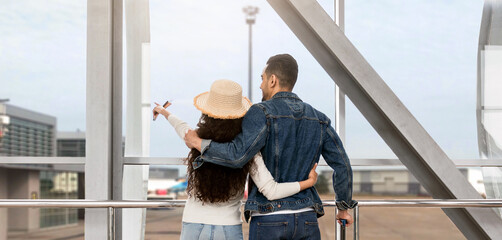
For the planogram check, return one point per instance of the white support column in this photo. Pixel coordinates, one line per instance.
(104, 59)
(339, 18)
(3, 211)
(339, 94)
(138, 114)
(489, 103)
(117, 136)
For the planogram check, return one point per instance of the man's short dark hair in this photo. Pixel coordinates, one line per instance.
(284, 66)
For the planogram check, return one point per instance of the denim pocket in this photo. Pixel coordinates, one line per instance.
(271, 230)
(312, 230)
(191, 230)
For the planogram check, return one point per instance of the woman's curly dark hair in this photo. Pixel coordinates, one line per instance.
(211, 183)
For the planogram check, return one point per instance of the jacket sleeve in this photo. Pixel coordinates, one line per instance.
(237, 153)
(335, 156)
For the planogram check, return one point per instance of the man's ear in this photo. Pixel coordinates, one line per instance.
(274, 81)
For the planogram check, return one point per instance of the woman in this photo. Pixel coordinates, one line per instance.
(214, 192)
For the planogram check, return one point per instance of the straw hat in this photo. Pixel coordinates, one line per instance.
(223, 101)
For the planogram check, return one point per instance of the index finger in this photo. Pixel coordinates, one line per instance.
(315, 166)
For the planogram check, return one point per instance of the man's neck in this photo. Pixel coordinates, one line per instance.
(279, 90)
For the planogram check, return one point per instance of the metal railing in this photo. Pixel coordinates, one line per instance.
(354, 162)
(111, 205)
(421, 203)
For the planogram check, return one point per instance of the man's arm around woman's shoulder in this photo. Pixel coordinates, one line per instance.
(239, 151)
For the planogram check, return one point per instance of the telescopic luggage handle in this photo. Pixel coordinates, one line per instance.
(343, 228)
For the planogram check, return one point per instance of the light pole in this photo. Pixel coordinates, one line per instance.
(250, 12)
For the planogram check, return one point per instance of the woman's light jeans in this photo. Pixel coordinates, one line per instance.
(199, 231)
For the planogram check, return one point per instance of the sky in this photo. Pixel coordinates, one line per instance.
(426, 51)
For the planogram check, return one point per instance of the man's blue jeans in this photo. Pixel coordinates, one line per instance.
(285, 226)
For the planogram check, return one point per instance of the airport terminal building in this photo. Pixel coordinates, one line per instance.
(28, 133)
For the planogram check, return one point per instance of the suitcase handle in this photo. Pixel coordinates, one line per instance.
(343, 228)
(344, 222)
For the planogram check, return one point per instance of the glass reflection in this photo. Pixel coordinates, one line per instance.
(58, 185)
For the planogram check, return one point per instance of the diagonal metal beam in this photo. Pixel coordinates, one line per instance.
(387, 114)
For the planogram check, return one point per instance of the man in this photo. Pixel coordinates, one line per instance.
(291, 136)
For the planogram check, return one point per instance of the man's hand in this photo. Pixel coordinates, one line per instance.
(344, 214)
(192, 140)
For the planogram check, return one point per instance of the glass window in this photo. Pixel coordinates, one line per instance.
(58, 185)
(430, 63)
(43, 59)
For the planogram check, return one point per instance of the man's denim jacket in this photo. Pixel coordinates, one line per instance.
(291, 136)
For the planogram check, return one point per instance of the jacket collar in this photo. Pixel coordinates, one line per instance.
(286, 95)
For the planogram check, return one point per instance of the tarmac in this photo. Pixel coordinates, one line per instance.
(375, 223)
